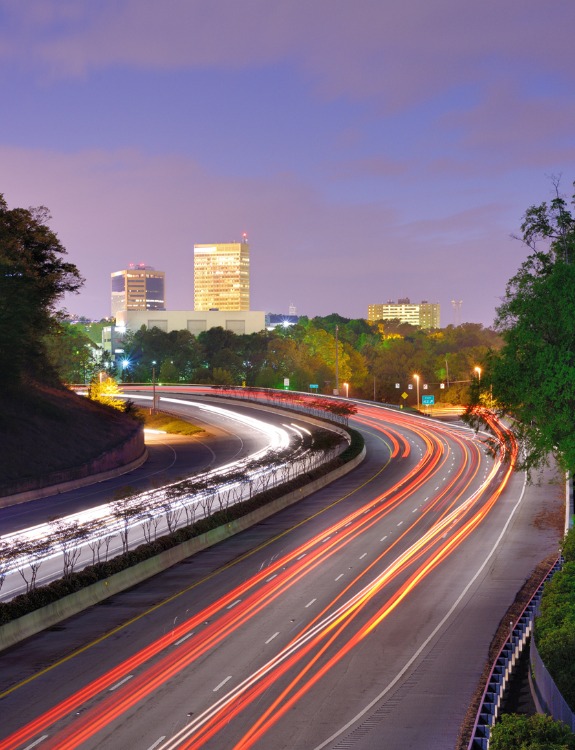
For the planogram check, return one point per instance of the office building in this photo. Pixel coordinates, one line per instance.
(222, 276)
(422, 315)
(138, 287)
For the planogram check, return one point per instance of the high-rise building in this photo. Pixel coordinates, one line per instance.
(222, 276)
(423, 315)
(138, 287)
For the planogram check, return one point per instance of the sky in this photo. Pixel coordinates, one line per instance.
(370, 149)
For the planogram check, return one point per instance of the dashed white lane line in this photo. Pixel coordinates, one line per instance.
(383, 538)
(400, 523)
(117, 685)
(271, 578)
(157, 742)
(310, 603)
(325, 540)
(362, 556)
(222, 683)
(300, 557)
(184, 638)
(37, 742)
(270, 639)
(339, 576)
(233, 604)
(415, 510)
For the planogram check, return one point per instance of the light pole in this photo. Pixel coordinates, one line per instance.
(478, 373)
(417, 386)
(346, 386)
(153, 386)
(336, 391)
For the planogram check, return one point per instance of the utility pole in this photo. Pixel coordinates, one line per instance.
(336, 390)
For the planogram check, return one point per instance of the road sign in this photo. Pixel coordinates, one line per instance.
(427, 400)
(314, 385)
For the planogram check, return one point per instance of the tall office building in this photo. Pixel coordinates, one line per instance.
(222, 276)
(138, 287)
(423, 315)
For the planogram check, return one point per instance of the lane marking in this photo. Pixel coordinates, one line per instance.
(362, 556)
(339, 576)
(37, 742)
(300, 557)
(222, 683)
(270, 639)
(157, 742)
(271, 578)
(233, 604)
(118, 684)
(184, 638)
(432, 635)
(383, 538)
(400, 523)
(310, 603)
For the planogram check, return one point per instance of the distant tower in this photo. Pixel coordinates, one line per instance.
(456, 304)
(292, 309)
(138, 287)
(222, 276)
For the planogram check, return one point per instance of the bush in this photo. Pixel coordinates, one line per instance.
(568, 546)
(555, 630)
(537, 732)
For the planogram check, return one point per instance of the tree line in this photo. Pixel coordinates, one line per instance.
(376, 361)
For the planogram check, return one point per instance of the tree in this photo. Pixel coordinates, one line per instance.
(105, 390)
(537, 732)
(33, 277)
(533, 375)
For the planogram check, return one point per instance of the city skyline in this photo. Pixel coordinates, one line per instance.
(369, 152)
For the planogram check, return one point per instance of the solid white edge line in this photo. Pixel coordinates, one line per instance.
(432, 635)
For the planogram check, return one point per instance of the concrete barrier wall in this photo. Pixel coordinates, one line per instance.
(34, 622)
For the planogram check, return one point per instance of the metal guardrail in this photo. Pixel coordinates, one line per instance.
(503, 667)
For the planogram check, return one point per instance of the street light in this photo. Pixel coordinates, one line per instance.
(153, 386)
(417, 385)
(478, 373)
(346, 386)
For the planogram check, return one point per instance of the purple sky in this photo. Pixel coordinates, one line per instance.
(371, 149)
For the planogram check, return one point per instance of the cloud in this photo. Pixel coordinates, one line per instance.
(395, 54)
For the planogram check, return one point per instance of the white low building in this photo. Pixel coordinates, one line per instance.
(194, 321)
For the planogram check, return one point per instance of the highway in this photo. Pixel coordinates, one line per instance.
(357, 619)
(150, 513)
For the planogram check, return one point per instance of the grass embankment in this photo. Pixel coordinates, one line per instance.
(167, 423)
(45, 429)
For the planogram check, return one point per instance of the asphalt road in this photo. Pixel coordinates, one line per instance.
(359, 618)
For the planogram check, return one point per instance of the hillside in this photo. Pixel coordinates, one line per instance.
(45, 429)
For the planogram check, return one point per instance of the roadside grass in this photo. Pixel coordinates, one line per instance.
(167, 423)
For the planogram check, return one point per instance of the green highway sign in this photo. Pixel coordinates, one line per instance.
(427, 400)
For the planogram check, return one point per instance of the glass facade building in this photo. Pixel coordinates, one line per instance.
(138, 287)
(222, 276)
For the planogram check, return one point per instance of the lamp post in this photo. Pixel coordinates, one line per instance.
(346, 386)
(153, 386)
(417, 386)
(336, 391)
(478, 373)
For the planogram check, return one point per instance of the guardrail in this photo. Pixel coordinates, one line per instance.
(503, 667)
